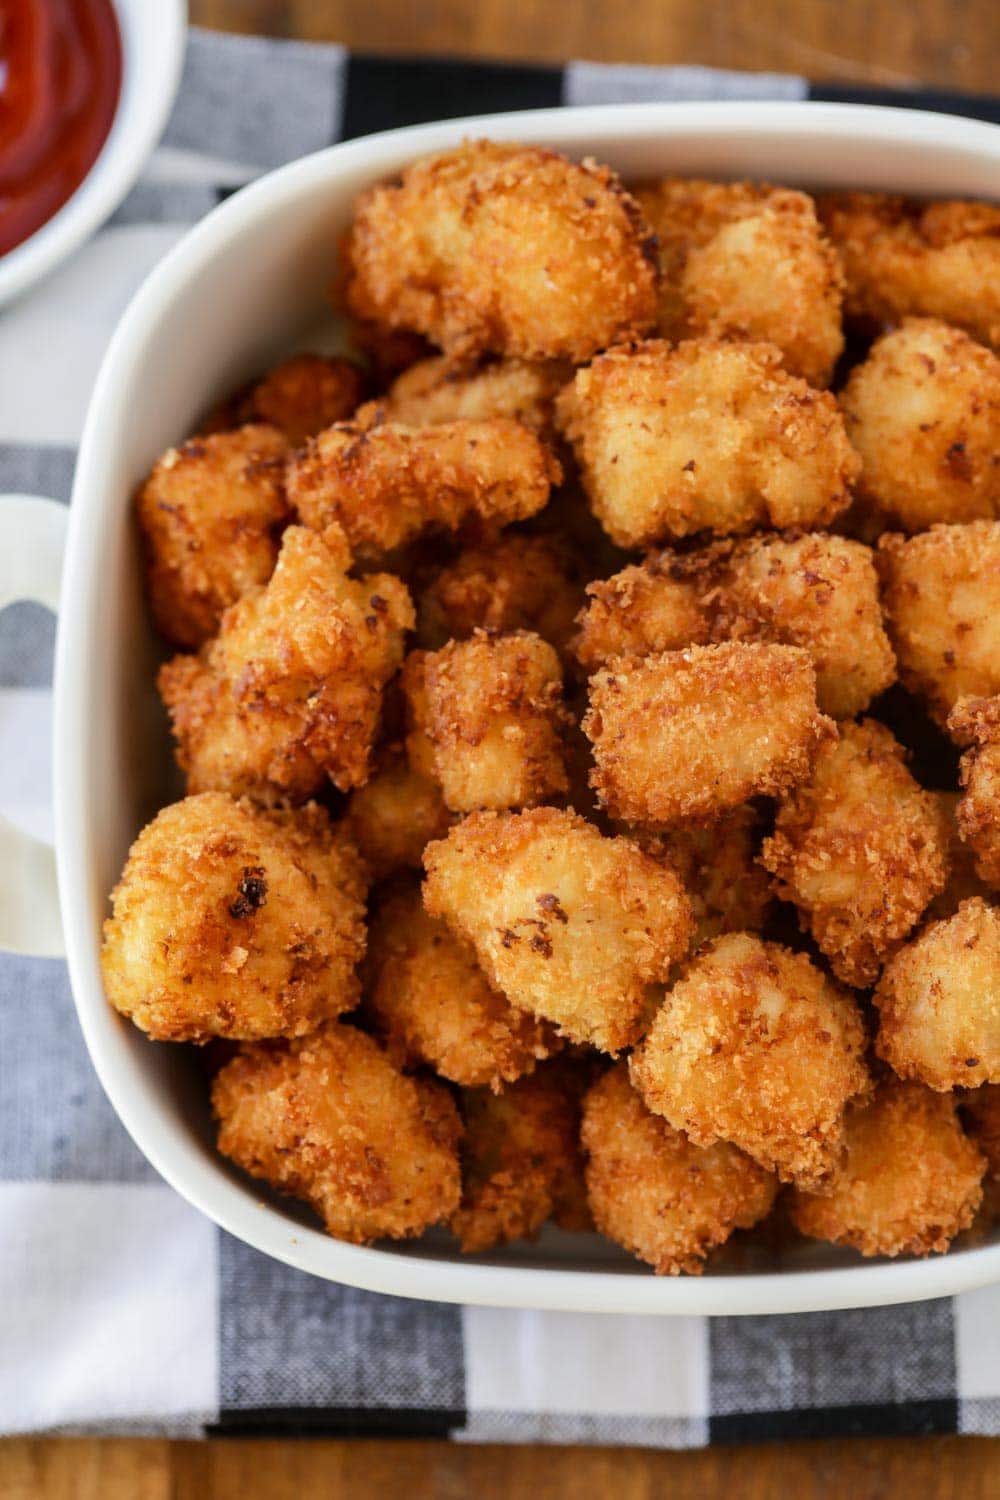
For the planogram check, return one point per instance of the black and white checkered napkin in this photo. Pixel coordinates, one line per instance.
(124, 1310)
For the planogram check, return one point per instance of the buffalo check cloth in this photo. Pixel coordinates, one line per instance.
(122, 1309)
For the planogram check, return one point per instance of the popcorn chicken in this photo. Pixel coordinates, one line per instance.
(910, 1180)
(304, 394)
(976, 722)
(289, 693)
(485, 718)
(504, 248)
(860, 849)
(211, 514)
(747, 261)
(432, 1004)
(645, 609)
(923, 411)
(707, 436)
(445, 390)
(657, 1194)
(728, 889)
(691, 734)
(755, 1046)
(329, 1120)
(395, 815)
(235, 922)
(939, 593)
(567, 923)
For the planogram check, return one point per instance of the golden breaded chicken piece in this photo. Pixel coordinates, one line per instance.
(211, 514)
(386, 483)
(691, 734)
(652, 1191)
(516, 582)
(304, 394)
(329, 1119)
(395, 815)
(939, 594)
(648, 607)
(486, 720)
(747, 261)
(860, 849)
(289, 693)
(566, 923)
(923, 411)
(963, 881)
(387, 351)
(446, 390)
(432, 1004)
(909, 1182)
(504, 248)
(728, 888)
(939, 1002)
(232, 921)
(976, 722)
(902, 256)
(707, 436)
(519, 1150)
(756, 1046)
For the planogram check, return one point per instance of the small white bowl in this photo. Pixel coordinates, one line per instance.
(152, 33)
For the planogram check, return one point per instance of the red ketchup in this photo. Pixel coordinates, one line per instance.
(60, 77)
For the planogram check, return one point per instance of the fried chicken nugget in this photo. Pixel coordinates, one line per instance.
(504, 248)
(304, 394)
(432, 1004)
(909, 1182)
(939, 1002)
(657, 1194)
(486, 720)
(962, 881)
(516, 582)
(520, 1147)
(290, 691)
(860, 849)
(648, 607)
(236, 922)
(690, 734)
(727, 886)
(386, 483)
(395, 815)
(902, 256)
(976, 722)
(567, 923)
(329, 1120)
(756, 1046)
(748, 261)
(211, 514)
(923, 411)
(707, 436)
(939, 594)
(446, 390)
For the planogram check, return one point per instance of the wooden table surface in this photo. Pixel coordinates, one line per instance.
(947, 43)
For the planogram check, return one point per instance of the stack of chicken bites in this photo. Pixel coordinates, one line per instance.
(547, 853)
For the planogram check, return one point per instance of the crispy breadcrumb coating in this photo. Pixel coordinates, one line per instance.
(728, 888)
(747, 261)
(976, 722)
(756, 1046)
(690, 734)
(860, 849)
(385, 484)
(504, 248)
(939, 1002)
(432, 1004)
(289, 693)
(566, 923)
(513, 583)
(304, 394)
(707, 436)
(910, 1179)
(646, 608)
(232, 921)
(652, 1191)
(445, 390)
(395, 815)
(211, 514)
(486, 718)
(519, 1148)
(902, 256)
(939, 594)
(329, 1119)
(963, 881)
(923, 411)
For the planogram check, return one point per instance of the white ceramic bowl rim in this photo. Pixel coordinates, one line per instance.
(193, 1171)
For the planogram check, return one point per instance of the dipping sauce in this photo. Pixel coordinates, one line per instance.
(60, 77)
